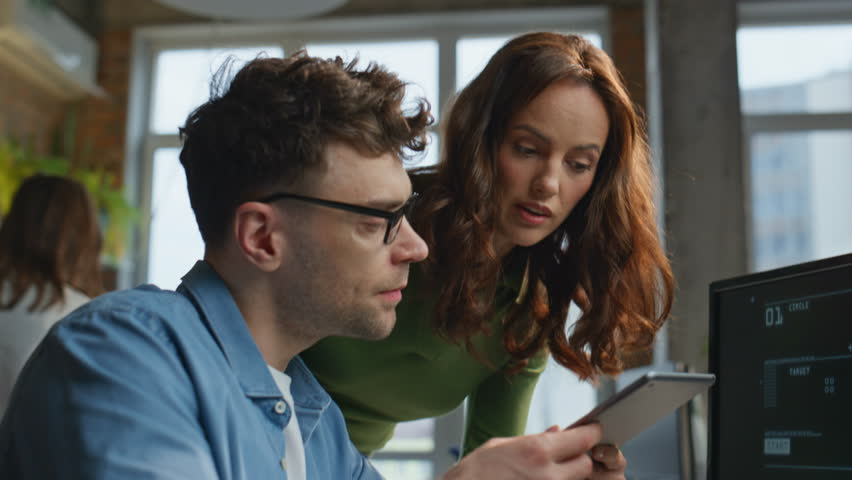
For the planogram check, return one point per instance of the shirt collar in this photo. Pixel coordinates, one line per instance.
(220, 312)
(307, 391)
(210, 294)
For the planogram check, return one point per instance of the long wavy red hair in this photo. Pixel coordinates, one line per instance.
(606, 255)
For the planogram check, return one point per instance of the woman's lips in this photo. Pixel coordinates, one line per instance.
(533, 215)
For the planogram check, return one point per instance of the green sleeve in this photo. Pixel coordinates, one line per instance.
(499, 405)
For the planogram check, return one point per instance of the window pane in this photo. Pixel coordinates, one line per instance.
(800, 196)
(404, 469)
(795, 69)
(415, 61)
(560, 398)
(183, 80)
(174, 243)
(427, 157)
(473, 53)
(414, 436)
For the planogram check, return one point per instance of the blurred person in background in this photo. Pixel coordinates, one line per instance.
(50, 243)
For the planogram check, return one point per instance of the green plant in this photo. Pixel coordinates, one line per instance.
(17, 162)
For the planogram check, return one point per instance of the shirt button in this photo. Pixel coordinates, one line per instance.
(280, 407)
(284, 464)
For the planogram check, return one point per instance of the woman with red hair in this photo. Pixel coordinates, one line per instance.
(544, 196)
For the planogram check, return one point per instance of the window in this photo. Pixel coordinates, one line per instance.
(797, 112)
(415, 61)
(560, 398)
(473, 52)
(437, 54)
(411, 453)
(174, 242)
(182, 80)
(780, 72)
(800, 180)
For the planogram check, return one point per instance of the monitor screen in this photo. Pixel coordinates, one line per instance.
(781, 349)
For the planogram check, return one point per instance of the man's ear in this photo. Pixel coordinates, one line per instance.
(257, 228)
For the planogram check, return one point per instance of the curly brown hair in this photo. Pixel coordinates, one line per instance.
(606, 255)
(50, 238)
(273, 122)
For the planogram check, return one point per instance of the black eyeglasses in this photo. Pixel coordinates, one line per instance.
(394, 218)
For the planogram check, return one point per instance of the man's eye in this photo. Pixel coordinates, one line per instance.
(373, 226)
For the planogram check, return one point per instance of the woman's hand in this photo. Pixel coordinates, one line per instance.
(609, 463)
(555, 454)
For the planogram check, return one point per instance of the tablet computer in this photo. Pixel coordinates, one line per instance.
(644, 402)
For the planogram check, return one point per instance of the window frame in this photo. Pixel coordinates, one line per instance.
(445, 28)
(762, 13)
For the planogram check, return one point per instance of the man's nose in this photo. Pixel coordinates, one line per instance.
(408, 246)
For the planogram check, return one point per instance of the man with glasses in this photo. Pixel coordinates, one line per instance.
(295, 179)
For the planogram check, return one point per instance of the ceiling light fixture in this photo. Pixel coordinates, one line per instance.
(254, 9)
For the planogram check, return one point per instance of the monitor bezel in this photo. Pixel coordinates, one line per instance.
(719, 286)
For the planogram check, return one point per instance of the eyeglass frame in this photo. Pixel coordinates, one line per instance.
(393, 218)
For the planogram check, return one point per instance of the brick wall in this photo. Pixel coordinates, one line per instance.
(27, 113)
(30, 114)
(627, 32)
(101, 121)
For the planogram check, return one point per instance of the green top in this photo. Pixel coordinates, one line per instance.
(416, 374)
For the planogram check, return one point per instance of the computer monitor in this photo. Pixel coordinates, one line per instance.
(781, 349)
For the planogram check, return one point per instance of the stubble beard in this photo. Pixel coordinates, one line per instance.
(367, 325)
(324, 315)
(322, 307)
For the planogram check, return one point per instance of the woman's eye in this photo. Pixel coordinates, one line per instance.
(579, 166)
(524, 150)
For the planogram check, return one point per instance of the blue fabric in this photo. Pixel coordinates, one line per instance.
(149, 383)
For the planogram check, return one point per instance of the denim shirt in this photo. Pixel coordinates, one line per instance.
(149, 383)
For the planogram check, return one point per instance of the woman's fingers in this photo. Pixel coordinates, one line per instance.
(574, 442)
(609, 463)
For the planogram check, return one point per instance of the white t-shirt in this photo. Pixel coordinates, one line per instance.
(21, 331)
(294, 449)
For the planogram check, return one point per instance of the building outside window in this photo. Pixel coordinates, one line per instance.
(796, 100)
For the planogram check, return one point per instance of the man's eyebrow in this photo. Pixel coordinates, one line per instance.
(544, 138)
(388, 204)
